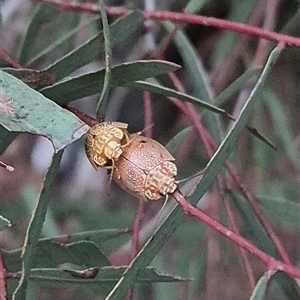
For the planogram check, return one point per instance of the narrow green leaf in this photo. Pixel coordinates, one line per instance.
(280, 284)
(258, 135)
(239, 12)
(43, 14)
(26, 110)
(120, 31)
(105, 275)
(90, 84)
(4, 223)
(260, 289)
(175, 218)
(282, 128)
(235, 86)
(35, 227)
(161, 90)
(87, 254)
(104, 280)
(94, 235)
(29, 196)
(281, 209)
(63, 41)
(101, 106)
(193, 6)
(154, 88)
(198, 77)
(229, 142)
(253, 229)
(191, 61)
(287, 286)
(56, 247)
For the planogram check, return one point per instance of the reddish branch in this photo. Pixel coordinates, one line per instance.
(183, 18)
(271, 262)
(211, 146)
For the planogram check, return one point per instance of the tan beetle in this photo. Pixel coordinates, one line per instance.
(104, 143)
(145, 169)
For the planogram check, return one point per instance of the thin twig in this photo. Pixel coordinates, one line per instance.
(211, 146)
(271, 262)
(183, 18)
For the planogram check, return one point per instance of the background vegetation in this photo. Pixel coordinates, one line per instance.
(54, 54)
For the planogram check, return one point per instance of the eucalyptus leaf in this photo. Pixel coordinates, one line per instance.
(92, 83)
(260, 289)
(23, 109)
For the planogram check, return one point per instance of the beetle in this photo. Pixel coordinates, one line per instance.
(145, 169)
(104, 143)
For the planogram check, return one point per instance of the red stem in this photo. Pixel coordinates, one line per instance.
(213, 22)
(205, 137)
(204, 134)
(211, 146)
(183, 18)
(271, 262)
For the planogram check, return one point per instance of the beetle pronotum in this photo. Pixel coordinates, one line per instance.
(104, 142)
